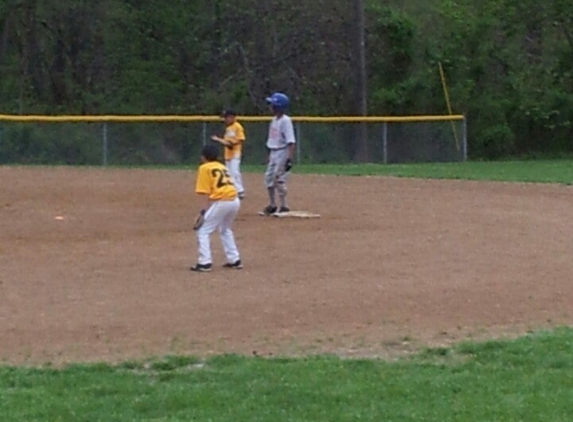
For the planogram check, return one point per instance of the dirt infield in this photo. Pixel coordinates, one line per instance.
(392, 265)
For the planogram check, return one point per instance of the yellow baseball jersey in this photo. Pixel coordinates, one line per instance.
(214, 180)
(234, 133)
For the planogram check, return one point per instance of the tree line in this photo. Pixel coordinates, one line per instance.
(508, 63)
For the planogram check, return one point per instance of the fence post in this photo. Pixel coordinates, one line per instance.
(298, 138)
(104, 158)
(204, 133)
(385, 142)
(464, 140)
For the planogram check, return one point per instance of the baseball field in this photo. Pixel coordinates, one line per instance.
(94, 267)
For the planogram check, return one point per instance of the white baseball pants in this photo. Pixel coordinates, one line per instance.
(220, 215)
(234, 167)
(275, 175)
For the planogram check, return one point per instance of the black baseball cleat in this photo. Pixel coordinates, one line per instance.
(201, 268)
(270, 209)
(237, 265)
(284, 209)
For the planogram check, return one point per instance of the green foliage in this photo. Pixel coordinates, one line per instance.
(507, 62)
(510, 53)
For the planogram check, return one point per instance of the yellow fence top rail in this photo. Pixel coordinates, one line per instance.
(198, 118)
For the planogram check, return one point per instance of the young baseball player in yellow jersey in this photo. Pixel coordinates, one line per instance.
(232, 141)
(221, 207)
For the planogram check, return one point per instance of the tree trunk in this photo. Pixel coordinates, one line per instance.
(361, 137)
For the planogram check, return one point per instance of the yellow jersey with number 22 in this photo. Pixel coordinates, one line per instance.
(214, 180)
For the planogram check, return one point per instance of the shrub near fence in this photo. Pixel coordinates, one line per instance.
(149, 140)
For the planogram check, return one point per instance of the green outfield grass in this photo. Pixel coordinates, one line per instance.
(534, 171)
(528, 379)
(541, 171)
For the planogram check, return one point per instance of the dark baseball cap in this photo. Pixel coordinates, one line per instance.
(228, 112)
(210, 152)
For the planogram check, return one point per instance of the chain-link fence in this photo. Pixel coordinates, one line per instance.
(173, 142)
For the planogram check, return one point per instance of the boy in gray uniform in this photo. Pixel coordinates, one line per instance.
(281, 144)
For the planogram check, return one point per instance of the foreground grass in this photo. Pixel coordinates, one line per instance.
(529, 379)
(542, 171)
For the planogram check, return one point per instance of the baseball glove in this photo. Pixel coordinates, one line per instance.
(288, 164)
(199, 220)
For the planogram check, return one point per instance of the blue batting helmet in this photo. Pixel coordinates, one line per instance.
(278, 100)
